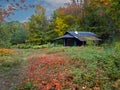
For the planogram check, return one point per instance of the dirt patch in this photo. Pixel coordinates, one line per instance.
(9, 79)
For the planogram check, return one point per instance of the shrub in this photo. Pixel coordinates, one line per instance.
(8, 59)
(32, 46)
(43, 46)
(4, 51)
(56, 49)
(23, 46)
(117, 46)
(94, 66)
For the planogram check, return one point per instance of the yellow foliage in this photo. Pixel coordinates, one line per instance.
(61, 26)
(103, 2)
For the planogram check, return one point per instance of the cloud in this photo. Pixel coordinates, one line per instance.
(25, 20)
(51, 5)
(57, 3)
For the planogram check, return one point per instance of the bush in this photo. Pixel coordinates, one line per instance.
(23, 46)
(43, 46)
(56, 49)
(32, 46)
(94, 66)
(117, 46)
(4, 51)
(8, 59)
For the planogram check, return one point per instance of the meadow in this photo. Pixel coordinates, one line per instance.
(60, 68)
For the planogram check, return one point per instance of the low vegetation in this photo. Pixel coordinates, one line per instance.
(13, 66)
(64, 68)
(8, 59)
(95, 67)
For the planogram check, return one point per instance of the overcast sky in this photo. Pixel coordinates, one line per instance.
(24, 15)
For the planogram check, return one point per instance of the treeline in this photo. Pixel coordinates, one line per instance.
(12, 33)
(99, 16)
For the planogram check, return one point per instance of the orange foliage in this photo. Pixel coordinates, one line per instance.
(1, 19)
(102, 2)
(4, 51)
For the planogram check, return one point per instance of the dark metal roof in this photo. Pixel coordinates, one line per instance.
(83, 36)
(65, 36)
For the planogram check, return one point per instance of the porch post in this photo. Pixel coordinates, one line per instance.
(75, 43)
(64, 42)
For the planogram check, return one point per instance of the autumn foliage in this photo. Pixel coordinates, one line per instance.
(4, 51)
(47, 72)
(12, 6)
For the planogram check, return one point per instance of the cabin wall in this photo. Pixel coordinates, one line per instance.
(73, 42)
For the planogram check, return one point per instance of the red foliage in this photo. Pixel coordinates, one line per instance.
(1, 19)
(5, 13)
(47, 72)
(22, 1)
(11, 7)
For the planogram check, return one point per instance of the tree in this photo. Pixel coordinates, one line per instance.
(61, 26)
(13, 5)
(114, 12)
(90, 15)
(37, 27)
(5, 35)
(50, 33)
(18, 32)
(97, 18)
(68, 17)
(12, 33)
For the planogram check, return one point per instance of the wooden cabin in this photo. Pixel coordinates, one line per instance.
(75, 38)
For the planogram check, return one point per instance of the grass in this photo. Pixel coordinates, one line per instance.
(92, 66)
(13, 67)
(95, 66)
(89, 67)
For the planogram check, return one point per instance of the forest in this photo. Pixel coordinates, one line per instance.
(30, 61)
(99, 16)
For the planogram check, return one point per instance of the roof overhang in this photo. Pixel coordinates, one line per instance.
(90, 38)
(64, 37)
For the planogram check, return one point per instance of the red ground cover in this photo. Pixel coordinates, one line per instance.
(48, 72)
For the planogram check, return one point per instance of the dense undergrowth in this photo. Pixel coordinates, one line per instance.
(95, 67)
